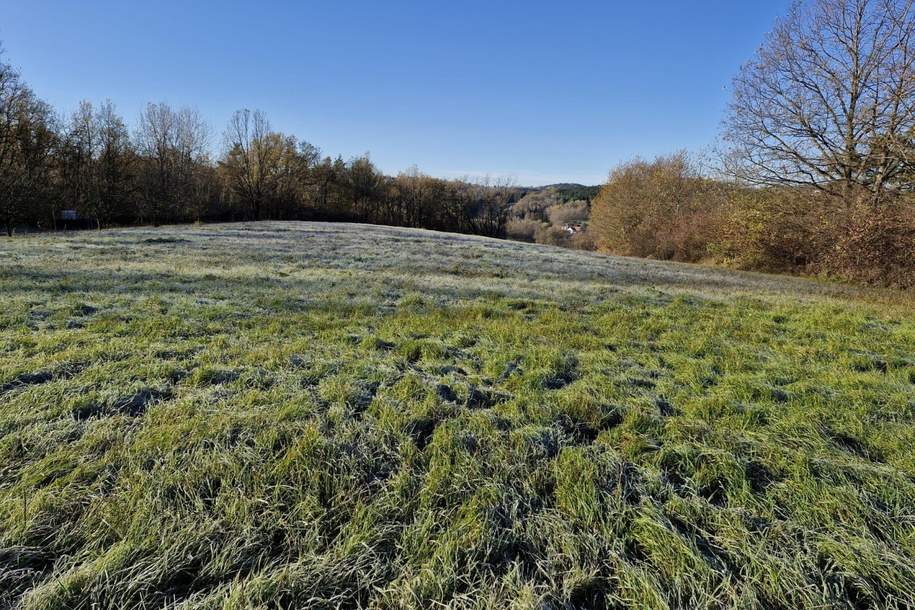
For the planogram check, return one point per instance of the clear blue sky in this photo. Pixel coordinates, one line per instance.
(539, 91)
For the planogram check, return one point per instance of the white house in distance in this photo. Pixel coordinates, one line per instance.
(573, 228)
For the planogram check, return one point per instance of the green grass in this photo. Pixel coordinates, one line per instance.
(294, 415)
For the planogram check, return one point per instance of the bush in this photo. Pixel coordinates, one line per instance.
(873, 244)
(574, 212)
(770, 229)
(660, 209)
(552, 236)
(804, 230)
(583, 240)
(521, 229)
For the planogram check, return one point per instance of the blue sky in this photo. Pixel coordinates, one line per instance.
(537, 91)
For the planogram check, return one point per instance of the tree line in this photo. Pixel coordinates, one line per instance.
(815, 174)
(817, 168)
(162, 172)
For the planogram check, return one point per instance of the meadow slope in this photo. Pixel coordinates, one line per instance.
(300, 415)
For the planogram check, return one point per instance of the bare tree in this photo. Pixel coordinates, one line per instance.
(174, 145)
(246, 157)
(114, 167)
(154, 137)
(487, 206)
(77, 160)
(568, 213)
(267, 171)
(364, 184)
(27, 141)
(829, 100)
(13, 96)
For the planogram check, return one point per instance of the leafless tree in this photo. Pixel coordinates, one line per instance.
(534, 205)
(27, 140)
(114, 166)
(247, 157)
(568, 213)
(164, 173)
(364, 183)
(13, 95)
(829, 100)
(174, 143)
(154, 137)
(77, 160)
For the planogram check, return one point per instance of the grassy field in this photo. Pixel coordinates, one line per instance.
(296, 415)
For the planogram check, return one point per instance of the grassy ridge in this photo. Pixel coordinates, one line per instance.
(293, 415)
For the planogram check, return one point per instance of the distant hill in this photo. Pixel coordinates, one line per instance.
(568, 191)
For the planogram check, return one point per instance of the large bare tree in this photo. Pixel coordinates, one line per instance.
(829, 100)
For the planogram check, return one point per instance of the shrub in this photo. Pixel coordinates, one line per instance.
(872, 244)
(521, 229)
(806, 230)
(658, 209)
(552, 235)
(770, 229)
(583, 240)
(568, 213)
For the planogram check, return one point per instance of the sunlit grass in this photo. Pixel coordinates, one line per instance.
(296, 415)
